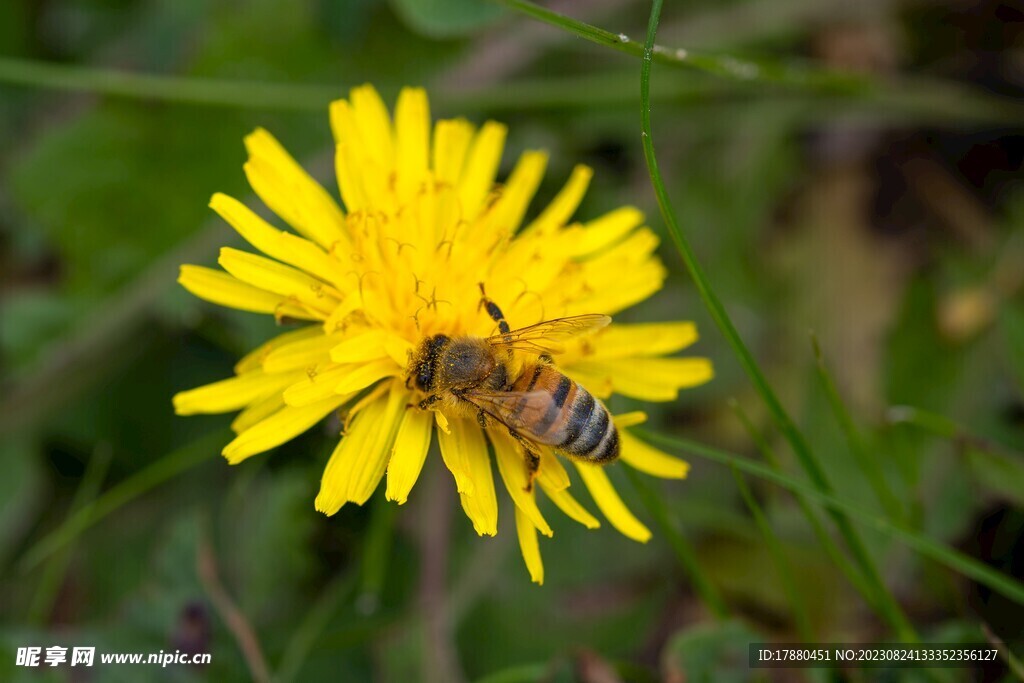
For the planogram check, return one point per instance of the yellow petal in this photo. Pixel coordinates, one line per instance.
(360, 348)
(409, 453)
(607, 230)
(571, 507)
(290, 192)
(612, 507)
(482, 505)
(551, 472)
(257, 412)
(290, 249)
(451, 141)
(347, 160)
(223, 289)
(316, 384)
(519, 190)
(397, 349)
(229, 394)
(646, 458)
(512, 466)
(272, 276)
(374, 124)
(255, 358)
(442, 422)
(595, 378)
(645, 339)
(619, 285)
(307, 256)
(361, 457)
(653, 379)
(481, 168)
(304, 352)
(412, 136)
(284, 425)
(630, 419)
(464, 452)
(565, 203)
(530, 547)
(456, 444)
(361, 375)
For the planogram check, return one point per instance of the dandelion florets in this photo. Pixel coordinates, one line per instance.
(423, 229)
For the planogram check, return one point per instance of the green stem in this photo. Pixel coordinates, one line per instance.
(867, 463)
(888, 605)
(948, 557)
(778, 553)
(128, 490)
(682, 549)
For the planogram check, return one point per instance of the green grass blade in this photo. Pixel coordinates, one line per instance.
(604, 89)
(778, 554)
(834, 552)
(936, 424)
(681, 548)
(53, 576)
(919, 94)
(884, 599)
(803, 76)
(867, 463)
(939, 552)
(178, 89)
(164, 469)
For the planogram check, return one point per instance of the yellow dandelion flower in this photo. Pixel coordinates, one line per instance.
(398, 278)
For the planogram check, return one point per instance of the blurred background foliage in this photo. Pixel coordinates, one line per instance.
(888, 222)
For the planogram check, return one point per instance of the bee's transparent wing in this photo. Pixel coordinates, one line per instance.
(545, 337)
(519, 410)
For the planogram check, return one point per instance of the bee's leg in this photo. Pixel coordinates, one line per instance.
(429, 401)
(532, 465)
(532, 459)
(481, 418)
(493, 311)
(545, 358)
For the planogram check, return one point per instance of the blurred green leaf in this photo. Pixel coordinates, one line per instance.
(21, 490)
(266, 529)
(446, 18)
(1011, 320)
(113, 189)
(31, 319)
(1003, 474)
(709, 653)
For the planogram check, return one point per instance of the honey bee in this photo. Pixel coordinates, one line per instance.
(539, 405)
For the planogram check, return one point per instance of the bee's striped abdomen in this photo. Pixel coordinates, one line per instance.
(590, 432)
(573, 421)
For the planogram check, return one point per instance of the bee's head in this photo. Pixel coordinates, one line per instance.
(424, 365)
